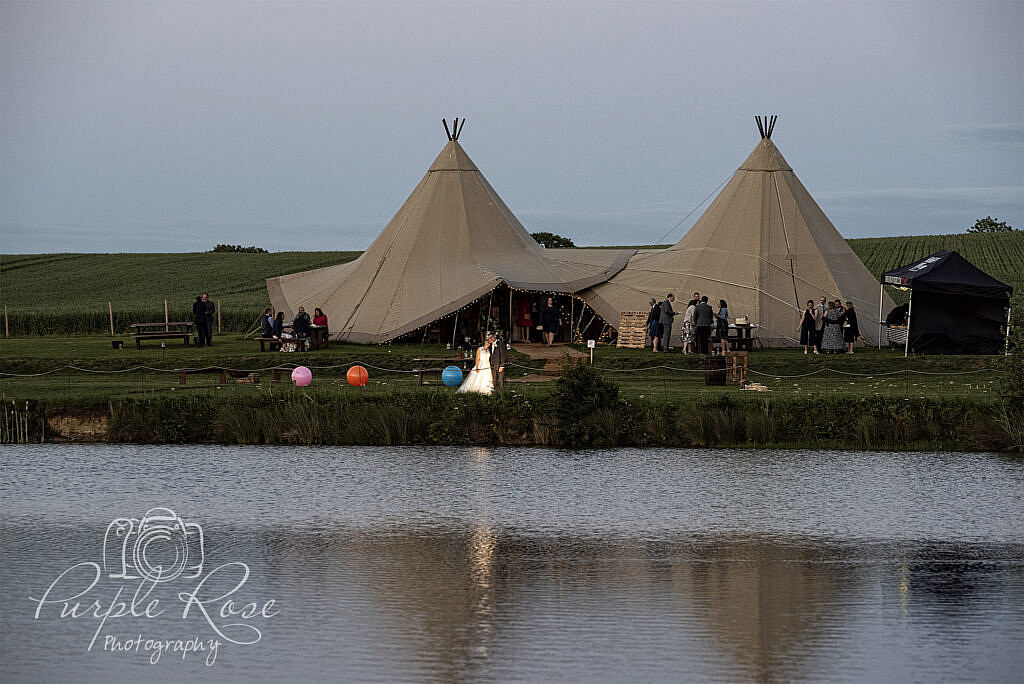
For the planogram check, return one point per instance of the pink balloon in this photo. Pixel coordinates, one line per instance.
(302, 376)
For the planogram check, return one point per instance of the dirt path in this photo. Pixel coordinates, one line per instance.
(554, 358)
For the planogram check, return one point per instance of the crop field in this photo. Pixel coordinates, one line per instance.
(67, 294)
(1001, 255)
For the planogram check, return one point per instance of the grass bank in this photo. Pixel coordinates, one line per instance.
(82, 389)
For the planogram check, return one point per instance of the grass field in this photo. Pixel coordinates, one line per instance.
(67, 294)
(30, 367)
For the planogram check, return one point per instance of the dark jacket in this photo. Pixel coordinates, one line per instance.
(300, 326)
(267, 325)
(498, 354)
(199, 311)
(703, 315)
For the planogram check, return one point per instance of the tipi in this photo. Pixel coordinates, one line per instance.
(764, 245)
(453, 241)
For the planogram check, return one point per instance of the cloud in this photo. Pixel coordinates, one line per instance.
(1004, 136)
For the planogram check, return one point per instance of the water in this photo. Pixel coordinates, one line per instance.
(442, 564)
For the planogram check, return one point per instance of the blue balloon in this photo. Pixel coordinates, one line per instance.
(452, 376)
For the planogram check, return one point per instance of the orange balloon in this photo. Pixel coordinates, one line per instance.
(357, 376)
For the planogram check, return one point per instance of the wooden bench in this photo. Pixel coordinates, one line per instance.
(272, 341)
(420, 372)
(433, 370)
(151, 331)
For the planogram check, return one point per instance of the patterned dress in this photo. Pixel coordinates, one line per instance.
(832, 336)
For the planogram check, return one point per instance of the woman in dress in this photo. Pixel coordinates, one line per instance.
(479, 379)
(722, 325)
(832, 334)
(807, 327)
(850, 330)
(549, 321)
(654, 324)
(688, 334)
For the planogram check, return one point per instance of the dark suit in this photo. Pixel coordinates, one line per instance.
(498, 357)
(667, 316)
(703, 317)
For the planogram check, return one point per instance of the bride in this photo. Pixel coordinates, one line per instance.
(479, 379)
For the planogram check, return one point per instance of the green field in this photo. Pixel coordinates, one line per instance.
(64, 294)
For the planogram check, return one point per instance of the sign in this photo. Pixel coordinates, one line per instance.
(591, 344)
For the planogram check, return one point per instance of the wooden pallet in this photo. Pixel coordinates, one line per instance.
(632, 329)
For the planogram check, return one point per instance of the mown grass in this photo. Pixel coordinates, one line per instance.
(640, 374)
(67, 294)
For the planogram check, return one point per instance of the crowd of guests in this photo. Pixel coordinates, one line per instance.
(828, 326)
(701, 323)
(273, 327)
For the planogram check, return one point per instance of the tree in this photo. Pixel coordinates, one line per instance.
(239, 248)
(552, 241)
(990, 225)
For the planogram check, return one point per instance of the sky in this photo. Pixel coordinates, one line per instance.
(175, 126)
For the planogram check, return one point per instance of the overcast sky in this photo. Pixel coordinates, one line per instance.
(174, 126)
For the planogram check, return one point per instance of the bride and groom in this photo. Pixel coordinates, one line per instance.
(489, 370)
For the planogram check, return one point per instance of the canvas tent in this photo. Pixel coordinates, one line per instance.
(955, 307)
(452, 242)
(763, 245)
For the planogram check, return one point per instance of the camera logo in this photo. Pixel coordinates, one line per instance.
(160, 547)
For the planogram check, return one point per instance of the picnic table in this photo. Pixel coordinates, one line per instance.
(161, 331)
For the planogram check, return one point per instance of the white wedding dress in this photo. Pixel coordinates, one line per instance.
(479, 379)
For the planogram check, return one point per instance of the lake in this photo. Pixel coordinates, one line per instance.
(479, 564)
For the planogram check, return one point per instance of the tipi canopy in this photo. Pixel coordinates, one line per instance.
(764, 245)
(955, 307)
(453, 241)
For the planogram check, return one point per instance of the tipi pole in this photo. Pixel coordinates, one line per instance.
(881, 291)
(910, 305)
(572, 315)
(455, 328)
(511, 323)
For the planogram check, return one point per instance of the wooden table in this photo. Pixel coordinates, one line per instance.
(161, 331)
(318, 337)
(743, 340)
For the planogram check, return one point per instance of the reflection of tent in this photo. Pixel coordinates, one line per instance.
(763, 245)
(452, 242)
(955, 308)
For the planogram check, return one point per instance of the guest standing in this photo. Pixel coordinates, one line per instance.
(279, 324)
(688, 330)
(199, 319)
(832, 334)
(667, 316)
(722, 324)
(808, 327)
(703, 319)
(850, 329)
(549, 321)
(819, 324)
(267, 323)
(654, 323)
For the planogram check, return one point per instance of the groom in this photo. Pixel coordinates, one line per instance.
(498, 355)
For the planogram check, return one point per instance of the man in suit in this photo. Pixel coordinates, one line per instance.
(498, 356)
(703, 319)
(667, 316)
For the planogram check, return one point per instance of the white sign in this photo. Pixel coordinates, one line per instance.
(591, 344)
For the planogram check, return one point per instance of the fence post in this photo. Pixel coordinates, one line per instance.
(167, 320)
(7, 329)
(110, 310)
(218, 315)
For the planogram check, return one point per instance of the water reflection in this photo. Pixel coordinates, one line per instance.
(490, 565)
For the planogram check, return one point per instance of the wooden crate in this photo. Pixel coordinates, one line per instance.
(632, 329)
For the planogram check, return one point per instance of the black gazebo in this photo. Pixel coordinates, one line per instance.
(955, 307)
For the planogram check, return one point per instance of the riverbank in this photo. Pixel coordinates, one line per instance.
(81, 389)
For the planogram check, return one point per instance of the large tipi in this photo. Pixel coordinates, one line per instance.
(764, 245)
(451, 243)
